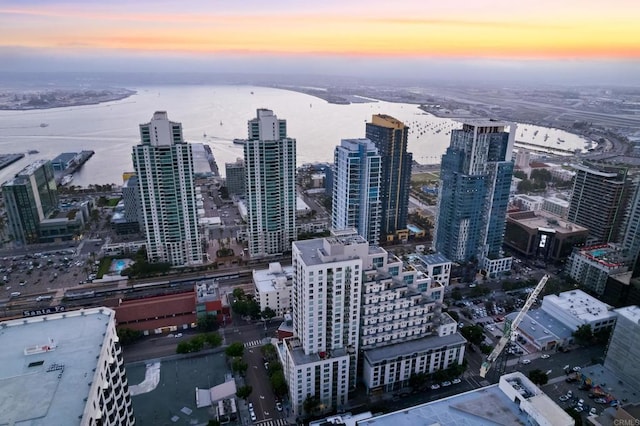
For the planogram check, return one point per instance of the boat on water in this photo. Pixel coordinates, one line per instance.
(44, 125)
(239, 141)
(66, 180)
(204, 135)
(33, 151)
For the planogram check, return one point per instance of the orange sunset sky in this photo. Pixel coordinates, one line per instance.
(477, 29)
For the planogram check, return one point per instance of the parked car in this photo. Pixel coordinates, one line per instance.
(563, 398)
(253, 416)
(446, 383)
(456, 381)
(435, 386)
(576, 368)
(278, 406)
(526, 361)
(545, 356)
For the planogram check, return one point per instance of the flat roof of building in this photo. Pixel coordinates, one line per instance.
(482, 122)
(265, 279)
(580, 305)
(433, 259)
(300, 358)
(545, 220)
(605, 254)
(51, 383)
(479, 407)
(309, 249)
(632, 313)
(376, 355)
(541, 326)
(558, 201)
(484, 406)
(530, 197)
(618, 387)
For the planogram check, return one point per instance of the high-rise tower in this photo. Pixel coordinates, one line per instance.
(599, 200)
(270, 167)
(321, 360)
(163, 162)
(30, 197)
(390, 137)
(356, 189)
(475, 179)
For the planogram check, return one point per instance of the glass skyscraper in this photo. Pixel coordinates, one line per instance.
(475, 178)
(163, 162)
(270, 171)
(30, 197)
(390, 137)
(356, 189)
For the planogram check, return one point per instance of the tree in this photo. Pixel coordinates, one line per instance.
(243, 392)
(583, 334)
(311, 404)
(274, 367)
(417, 380)
(238, 294)
(538, 377)
(601, 336)
(128, 335)
(269, 352)
(207, 322)
(213, 339)
(440, 375)
(268, 313)
(235, 349)
(239, 366)
(454, 315)
(473, 333)
(519, 174)
(183, 348)
(278, 384)
(485, 349)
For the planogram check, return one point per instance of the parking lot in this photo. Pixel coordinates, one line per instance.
(28, 280)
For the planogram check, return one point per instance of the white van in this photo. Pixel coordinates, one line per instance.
(15, 294)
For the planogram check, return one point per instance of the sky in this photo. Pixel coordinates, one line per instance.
(402, 37)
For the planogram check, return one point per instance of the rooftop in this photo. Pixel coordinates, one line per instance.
(632, 313)
(480, 407)
(541, 326)
(483, 122)
(376, 355)
(433, 259)
(580, 305)
(300, 358)
(604, 254)
(277, 276)
(618, 387)
(547, 221)
(48, 365)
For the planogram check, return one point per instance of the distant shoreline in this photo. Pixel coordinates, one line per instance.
(60, 98)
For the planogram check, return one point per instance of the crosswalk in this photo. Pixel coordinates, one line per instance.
(253, 343)
(273, 422)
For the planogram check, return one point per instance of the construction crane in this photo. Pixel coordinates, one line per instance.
(509, 329)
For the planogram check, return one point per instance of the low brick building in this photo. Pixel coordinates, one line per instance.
(158, 314)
